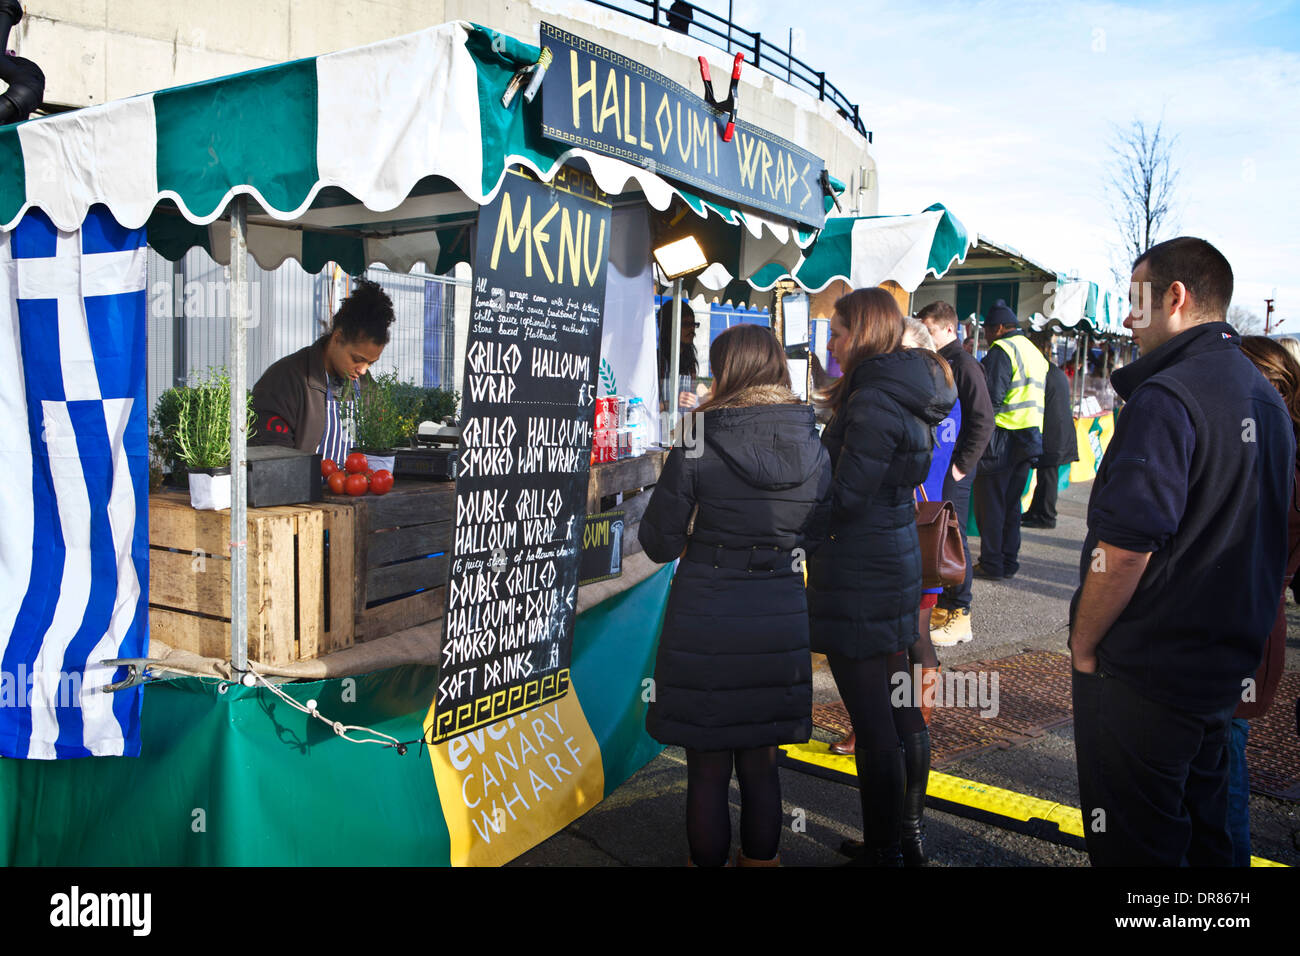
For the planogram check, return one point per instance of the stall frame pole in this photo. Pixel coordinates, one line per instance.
(1087, 344)
(675, 361)
(238, 435)
(1078, 372)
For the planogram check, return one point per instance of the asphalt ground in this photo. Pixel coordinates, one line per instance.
(643, 822)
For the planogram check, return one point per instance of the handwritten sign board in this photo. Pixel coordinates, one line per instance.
(602, 547)
(607, 103)
(526, 429)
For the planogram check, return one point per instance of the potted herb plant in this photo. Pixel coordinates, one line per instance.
(201, 438)
(383, 417)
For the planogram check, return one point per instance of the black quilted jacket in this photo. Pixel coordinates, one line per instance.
(733, 668)
(864, 585)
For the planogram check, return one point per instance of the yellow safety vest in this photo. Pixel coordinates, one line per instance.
(1023, 405)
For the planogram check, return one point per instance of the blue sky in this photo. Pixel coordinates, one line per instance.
(1003, 111)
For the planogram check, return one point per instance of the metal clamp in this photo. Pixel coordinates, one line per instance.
(827, 190)
(532, 74)
(136, 672)
(728, 105)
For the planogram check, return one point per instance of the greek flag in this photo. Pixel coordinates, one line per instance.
(74, 533)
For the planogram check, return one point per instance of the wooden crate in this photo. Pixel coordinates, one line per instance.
(402, 551)
(615, 477)
(301, 569)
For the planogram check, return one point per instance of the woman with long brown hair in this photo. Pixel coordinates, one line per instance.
(733, 673)
(1278, 366)
(864, 585)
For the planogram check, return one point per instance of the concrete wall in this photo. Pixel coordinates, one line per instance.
(95, 50)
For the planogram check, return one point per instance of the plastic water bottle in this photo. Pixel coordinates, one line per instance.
(638, 421)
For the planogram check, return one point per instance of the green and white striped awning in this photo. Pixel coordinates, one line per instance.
(1080, 305)
(379, 154)
(862, 251)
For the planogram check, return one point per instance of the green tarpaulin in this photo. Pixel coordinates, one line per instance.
(232, 776)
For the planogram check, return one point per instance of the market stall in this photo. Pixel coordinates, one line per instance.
(408, 152)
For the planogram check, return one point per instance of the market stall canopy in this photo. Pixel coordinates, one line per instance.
(860, 251)
(1058, 302)
(1080, 305)
(1111, 312)
(379, 154)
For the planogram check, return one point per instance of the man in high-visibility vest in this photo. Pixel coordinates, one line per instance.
(1017, 378)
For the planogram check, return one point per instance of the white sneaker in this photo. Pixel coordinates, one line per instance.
(956, 629)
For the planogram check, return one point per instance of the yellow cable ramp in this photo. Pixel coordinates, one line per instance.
(1044, 819)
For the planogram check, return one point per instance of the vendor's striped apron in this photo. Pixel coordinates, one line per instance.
(335, 442)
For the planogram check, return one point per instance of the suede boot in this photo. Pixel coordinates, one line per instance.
(916, 750)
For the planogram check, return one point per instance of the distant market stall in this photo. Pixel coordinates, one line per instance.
(397, 153)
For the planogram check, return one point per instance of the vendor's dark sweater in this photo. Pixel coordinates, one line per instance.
(976, 408)
(1198, 474)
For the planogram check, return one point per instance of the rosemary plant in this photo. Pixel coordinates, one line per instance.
(201, 435)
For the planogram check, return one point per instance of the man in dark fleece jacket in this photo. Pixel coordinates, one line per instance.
(973, 418)
(1186, 545)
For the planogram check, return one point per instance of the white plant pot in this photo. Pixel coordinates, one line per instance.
(377, 462)
(210, 492)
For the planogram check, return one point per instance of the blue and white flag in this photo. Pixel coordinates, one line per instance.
(74, 484)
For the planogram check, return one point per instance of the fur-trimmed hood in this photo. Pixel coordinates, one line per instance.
(766, 435)
(759, 395)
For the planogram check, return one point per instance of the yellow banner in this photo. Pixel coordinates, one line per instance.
(1092, 445)
(507, 787)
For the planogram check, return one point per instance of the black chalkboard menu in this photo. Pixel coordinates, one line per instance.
(528, 414)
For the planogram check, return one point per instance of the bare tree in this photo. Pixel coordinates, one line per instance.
(1141, 183)
(1245, 321)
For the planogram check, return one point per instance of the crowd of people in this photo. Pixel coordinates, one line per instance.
(1176, 627)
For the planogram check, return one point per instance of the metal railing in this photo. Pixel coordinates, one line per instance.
(719, 31)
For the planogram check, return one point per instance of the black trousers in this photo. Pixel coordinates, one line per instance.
(1046, 488)
(1153, 781)
(997, 510)
(959, 492)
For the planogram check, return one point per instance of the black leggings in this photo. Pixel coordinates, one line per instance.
(708, 815)
(866, 689)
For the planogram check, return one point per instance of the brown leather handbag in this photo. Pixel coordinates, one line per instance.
(943, 560)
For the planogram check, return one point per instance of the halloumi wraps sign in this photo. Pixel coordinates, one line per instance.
(605, 102)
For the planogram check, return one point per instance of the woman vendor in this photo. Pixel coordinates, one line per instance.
(297, 398)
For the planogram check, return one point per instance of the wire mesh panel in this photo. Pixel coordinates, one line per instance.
(161, 348)
(189, 320)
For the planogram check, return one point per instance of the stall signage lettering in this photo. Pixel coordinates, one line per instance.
(605, 102)
(526, 431)
(602, 547)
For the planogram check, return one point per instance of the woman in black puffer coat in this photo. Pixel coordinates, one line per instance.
(733, 675)
(864, 585)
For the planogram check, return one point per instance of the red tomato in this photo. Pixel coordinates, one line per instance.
(369, 474)
(327, 467)
(382, 482)
(336, 482)
(356, 463)
(356, 485)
